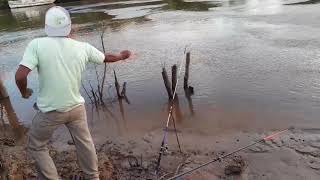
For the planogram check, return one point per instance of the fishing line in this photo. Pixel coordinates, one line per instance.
(229, 154)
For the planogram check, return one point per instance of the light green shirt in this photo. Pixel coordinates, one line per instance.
(60, 63)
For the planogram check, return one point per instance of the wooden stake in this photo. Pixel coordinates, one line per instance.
(188, 89)
(174, 77)
(186, 73)
(124, 92)
(116, 84)
(167, 82)
(124, 89)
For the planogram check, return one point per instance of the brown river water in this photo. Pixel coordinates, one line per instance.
(254, 63)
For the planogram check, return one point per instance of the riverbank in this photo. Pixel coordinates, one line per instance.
(294, 155)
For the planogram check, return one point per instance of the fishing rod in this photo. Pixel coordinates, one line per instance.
(229, 154)
(164, 147)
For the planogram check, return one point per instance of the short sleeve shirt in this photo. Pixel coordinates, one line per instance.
(60, 63)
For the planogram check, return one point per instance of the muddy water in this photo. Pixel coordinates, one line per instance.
(254, 63)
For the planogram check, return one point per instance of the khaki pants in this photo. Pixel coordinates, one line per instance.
(41, 131)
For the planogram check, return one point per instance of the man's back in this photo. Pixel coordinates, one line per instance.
(60, 63)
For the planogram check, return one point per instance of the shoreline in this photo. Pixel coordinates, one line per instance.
(294, 155)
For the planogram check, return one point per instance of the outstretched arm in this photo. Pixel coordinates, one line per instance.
(22, 81)
(110, 58)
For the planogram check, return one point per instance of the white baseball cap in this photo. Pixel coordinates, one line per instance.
(57, 22)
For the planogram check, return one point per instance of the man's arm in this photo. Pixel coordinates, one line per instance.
(22, 81)
(110, 58)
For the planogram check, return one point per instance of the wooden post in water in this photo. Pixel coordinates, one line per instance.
(176, 104)
(188, 89)
(186, 73)
(166, 82)
(174, 77)
(123, 93)
(116, 84)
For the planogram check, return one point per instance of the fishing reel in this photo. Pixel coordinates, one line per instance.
(164, 149)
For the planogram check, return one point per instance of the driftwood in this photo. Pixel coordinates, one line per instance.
(167, 82)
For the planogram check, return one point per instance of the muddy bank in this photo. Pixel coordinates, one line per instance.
(295, 155)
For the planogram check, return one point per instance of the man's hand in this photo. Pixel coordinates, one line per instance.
(125, 54)
(110, 58)
(28, 93)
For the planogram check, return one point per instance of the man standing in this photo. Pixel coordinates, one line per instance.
(60, 62)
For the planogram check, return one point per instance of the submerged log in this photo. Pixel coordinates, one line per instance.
(167, 82)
